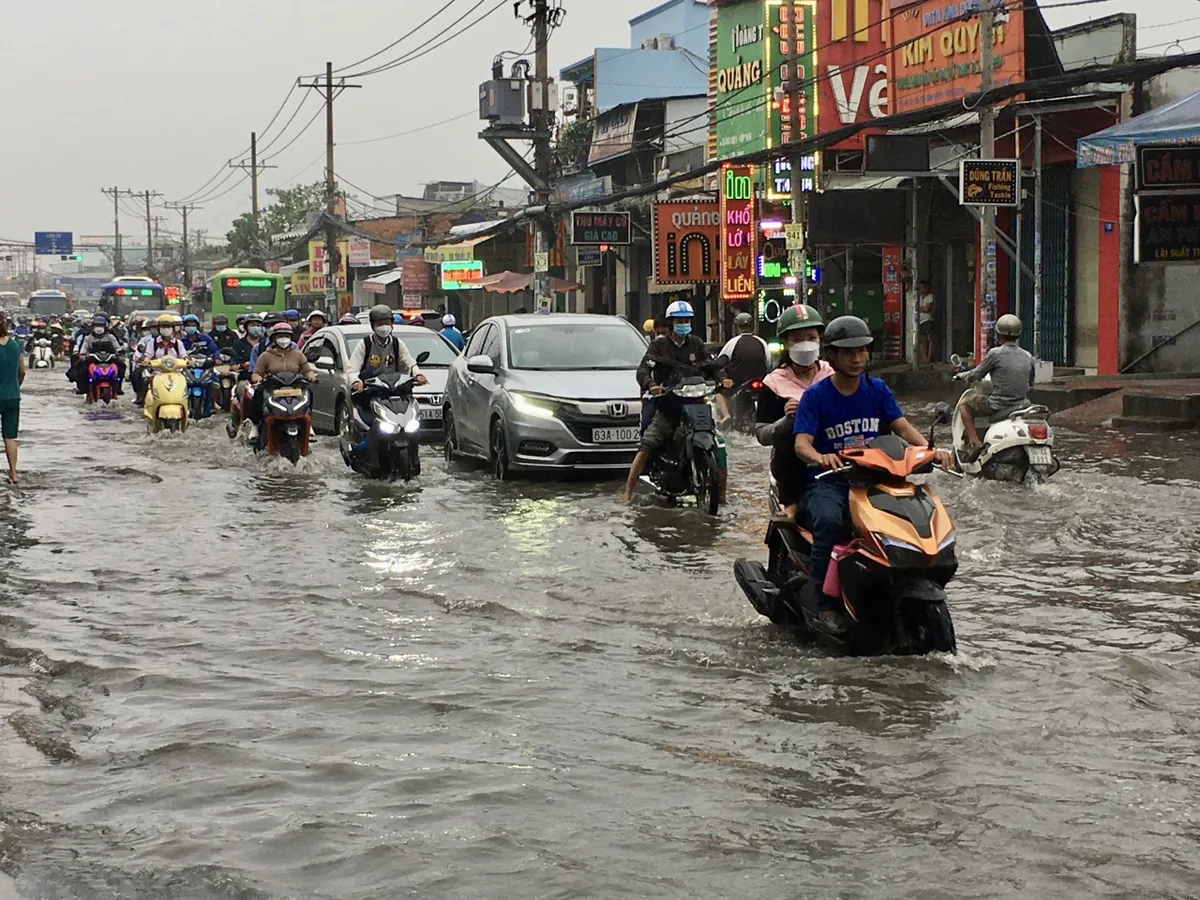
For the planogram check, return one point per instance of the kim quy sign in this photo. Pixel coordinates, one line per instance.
(599, 227)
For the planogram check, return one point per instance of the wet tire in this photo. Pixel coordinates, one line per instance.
(936, 630)
(498, 444)
(707, 482)
(171, 425)
(450, 444)
(289, 449)
(225, 399)
(414, 460)
(341, 420)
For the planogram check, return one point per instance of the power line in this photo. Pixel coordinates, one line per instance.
(411, 55)
(389, 137)
(398, 40)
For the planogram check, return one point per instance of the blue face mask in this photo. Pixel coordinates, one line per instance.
(683, 329)
(222, 328)
(254, 330)
(191, 329)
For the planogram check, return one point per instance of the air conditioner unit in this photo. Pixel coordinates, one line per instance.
(664, 42)
(650, 44)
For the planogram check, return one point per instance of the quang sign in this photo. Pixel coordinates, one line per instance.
(1167, 228)
(1168, 167)
(599, 227)
(740, 79)
(739, 223)
(687, 243)
(936, 57)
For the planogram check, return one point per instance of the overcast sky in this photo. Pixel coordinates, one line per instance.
(143, 94)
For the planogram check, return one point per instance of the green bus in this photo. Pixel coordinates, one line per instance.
(239, 291)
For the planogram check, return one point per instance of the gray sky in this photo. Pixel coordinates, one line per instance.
(145, 94)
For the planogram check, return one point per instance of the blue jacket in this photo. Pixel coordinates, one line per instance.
(210, 346)
(454, 336)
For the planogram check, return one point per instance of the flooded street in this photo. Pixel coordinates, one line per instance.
(253, 681)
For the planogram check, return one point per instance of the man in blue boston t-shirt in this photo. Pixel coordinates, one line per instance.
(844, 411)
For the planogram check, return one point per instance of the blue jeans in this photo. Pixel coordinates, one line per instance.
(828, 503)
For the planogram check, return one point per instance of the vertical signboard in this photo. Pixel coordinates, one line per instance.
(936, 55)
(893, 302)
(738, 233)
(855, 48)
(741, 79)
(786, 18)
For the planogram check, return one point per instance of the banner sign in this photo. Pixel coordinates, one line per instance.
(687, 240)
(404, 244)
(359, 251)
(893, 302)
(739, 260)
(1167, 228)
(599, 227)
(1162, 168)
(855, 46)
(462, 275)
(989, 182)
(414, 277)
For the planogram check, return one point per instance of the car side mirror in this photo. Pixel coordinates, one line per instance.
(422, 356)
(324, 362)
(481, 365)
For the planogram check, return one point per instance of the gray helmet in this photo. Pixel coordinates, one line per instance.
(848, 332)
(743, 320)
(380, 313)
(1009, 326)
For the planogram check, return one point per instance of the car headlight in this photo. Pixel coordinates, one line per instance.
(530, 406)
(413, 427)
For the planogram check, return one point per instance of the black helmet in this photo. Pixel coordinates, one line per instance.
(380, 313)
(743, 320)
(272, 318)
(848, 332)
(220, 319)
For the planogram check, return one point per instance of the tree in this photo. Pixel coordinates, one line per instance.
(288, 211)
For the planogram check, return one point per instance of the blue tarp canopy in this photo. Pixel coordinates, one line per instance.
(1175, 123)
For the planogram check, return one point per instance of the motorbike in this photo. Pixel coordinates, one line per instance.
(688, 464)
(166, 402)
(200, 379)
(41, 356)
(389, 446)
(287, 408)
(227, 372)
(891, 575)
(743, 405)
(1017, 447)
(103, 377)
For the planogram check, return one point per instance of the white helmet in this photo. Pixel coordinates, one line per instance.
(448, 320)
(1009, 326)
(680, 309)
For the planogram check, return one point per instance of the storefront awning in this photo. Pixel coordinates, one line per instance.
(514, 282)
(460, 252)
(377, 284)
(1175, 123)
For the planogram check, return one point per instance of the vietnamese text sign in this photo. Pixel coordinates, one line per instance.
(854, 49)
(741, 79)
(989, 182)
(52, 243)
(414, 276)
(1168, 168)
(687, 241)
(1168, 228)
(462, 274)
(739, 262)
(893, 302)
(404, 244)
(588, 255)
(359, 251)
(785, 18)
(936, 56)
(599, 227)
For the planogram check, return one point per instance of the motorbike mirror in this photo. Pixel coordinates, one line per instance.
(422, 356)
(941, 413)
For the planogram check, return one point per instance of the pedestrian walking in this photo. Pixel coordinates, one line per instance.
(12, 373)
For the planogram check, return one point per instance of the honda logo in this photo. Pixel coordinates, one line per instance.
(618, 410)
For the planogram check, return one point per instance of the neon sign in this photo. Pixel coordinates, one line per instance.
(739, 233)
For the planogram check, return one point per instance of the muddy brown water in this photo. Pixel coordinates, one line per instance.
(233, 679)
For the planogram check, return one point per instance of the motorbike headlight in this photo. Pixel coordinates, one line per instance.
(275, 403)
(413, 427)
(946, 542)
(381, 411)
(533, 407)
(691, 391)
(889, 542)
(387, 427)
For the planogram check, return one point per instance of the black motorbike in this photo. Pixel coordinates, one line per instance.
(383, 435)
(688, 465)
(743, 405)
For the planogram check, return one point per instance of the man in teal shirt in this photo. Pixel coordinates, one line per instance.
(12, 373)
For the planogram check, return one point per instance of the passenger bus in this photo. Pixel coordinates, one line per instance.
(127, 293)
(49, 303)
(239, 291)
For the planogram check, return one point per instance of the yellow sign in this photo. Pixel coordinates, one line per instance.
(306, 285)
(316, 258)
(795, 236)
(451, 253)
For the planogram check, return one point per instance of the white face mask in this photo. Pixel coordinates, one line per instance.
(166, 332)
(804, 353)
(383, 331)
(283, 342)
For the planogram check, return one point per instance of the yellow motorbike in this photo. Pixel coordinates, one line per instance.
(167, 397)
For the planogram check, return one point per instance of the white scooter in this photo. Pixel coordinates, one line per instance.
(41, 356)
(1016, 448)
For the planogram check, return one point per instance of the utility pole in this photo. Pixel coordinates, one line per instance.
(986, 315)
(546, 236)
(797, 258)
(187, 254)
(116, 194)
(149, 235)
(254, 167)
(329, 95)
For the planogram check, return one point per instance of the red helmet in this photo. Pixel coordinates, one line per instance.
(282, 328)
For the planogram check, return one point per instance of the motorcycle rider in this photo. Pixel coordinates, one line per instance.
(159, 343)
(279, 357)
(316, 321)
(451, 333)
(749, 359)
(663, 357)
(292, 317)
(101, 340)
(241, 326)
(221, 334)
(348, 319)
(382, 353)
(245, 347)
(195, 341)
(269, 322)
(846, 410)
(1012, 369)
(799, 328)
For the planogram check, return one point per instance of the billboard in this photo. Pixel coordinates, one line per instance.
(936, 55)
(855, 42)
(741, 79)
(687, 241)
(739, 233)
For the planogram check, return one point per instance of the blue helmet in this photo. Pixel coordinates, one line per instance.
(291, 314)
(100, 320)
(680, 309)
(191, 319)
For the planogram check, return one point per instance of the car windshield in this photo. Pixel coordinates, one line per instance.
(441, 353)
(574, 346)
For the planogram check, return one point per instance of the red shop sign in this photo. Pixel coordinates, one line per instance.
(739, 226)
(893, 302)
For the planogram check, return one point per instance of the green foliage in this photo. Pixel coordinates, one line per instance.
(286, 212)
(574, 143)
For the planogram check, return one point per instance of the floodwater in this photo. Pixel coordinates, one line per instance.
(231, 679)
